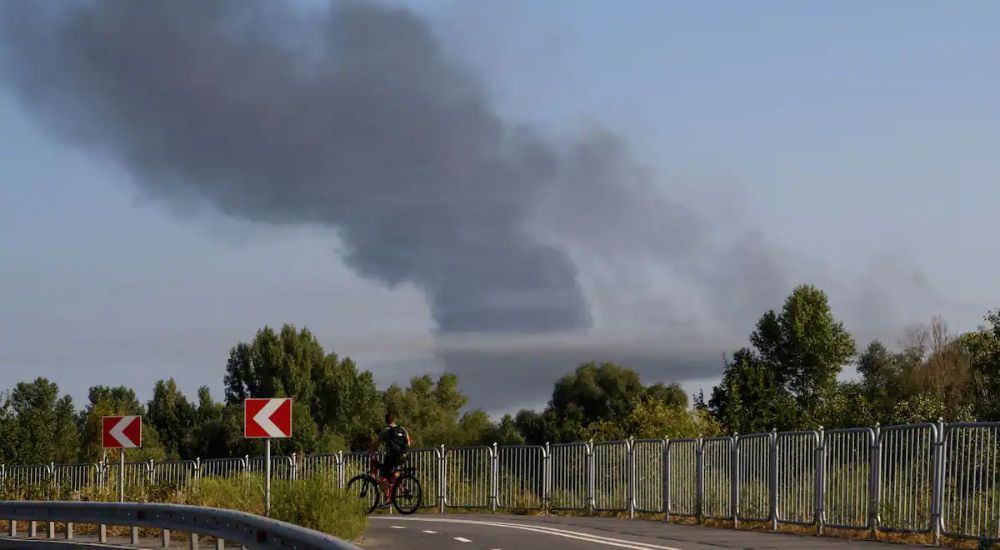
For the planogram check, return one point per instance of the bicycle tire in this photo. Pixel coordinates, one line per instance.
(364, 487)
(413, 501)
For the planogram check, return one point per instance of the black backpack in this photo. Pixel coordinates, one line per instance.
(395, 440)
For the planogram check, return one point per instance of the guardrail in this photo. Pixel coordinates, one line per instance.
(935, 478)
(224, 525)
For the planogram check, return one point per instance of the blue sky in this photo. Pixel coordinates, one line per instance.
(858, 138)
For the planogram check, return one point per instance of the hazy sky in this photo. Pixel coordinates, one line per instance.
(707, 156)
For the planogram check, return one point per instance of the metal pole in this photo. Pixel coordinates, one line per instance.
(121, 475)
(267, 477)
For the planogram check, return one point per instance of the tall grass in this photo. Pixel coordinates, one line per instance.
(315, 503)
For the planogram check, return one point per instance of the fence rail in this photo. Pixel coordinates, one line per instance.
(937, 478)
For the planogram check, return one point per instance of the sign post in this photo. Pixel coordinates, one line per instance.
(121, 432)
(265, 418)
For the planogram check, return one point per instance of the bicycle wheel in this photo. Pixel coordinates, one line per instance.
(407, 494)
(365, 488)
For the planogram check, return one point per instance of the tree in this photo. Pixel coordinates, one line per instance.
(750, 397)
(652, 418)
(881, 385)
(805, 347)
(274, 365)
(210, 437)
(347, 405)
(65, 432)
(594, 392)
(672, 395)
(40, 431)
(173, 416)
(428, 409)
(982, 348)
(505, 432)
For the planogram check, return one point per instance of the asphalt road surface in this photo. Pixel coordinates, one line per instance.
(499, 532)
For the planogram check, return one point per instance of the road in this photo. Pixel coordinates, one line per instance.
(500, 532)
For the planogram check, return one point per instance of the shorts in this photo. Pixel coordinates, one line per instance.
(390, 464)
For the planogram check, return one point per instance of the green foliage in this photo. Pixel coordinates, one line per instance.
(750, 397)
(173, 416)
(652, 418)
(787, 378)
(34, 435)
(429, 410)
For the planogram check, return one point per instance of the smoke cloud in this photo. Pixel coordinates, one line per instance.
(354, 120)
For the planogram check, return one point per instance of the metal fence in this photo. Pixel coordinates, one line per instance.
(942, 479)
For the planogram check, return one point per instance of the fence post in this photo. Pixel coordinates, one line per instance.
(773, 480)
(442, 479)
(699, 482)
(666, 479)
(820, 482)
(590, 477)
(197, 469)
(339, 463)
(874, 488)
(494, 477)
(630, 471)
(547, 478)
(295, 467)
(937, 498)
(734, 481)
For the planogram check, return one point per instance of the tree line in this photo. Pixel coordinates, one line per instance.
(789, 377)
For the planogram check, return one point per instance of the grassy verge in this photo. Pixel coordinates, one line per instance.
(313, 503)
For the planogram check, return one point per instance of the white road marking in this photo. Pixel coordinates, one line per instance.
(396, 527)
(430, 532)
(460, 539)
(576, 535)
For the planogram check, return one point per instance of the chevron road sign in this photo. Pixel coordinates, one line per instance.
(121, 432)
(266, 418)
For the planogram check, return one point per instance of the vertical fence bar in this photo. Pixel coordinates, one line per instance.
(591, 499)
(699, 479)
(773, 479)
(820, 491)
(734, 482)
(442, 479)
(630, 471)
(494, 475)
(666, 479)
(937, 491)
(547, 483)
(874, 483)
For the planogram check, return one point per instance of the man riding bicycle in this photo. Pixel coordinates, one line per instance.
(397, 441)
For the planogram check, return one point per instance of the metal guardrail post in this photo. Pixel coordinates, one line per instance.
(773, 480)
(630, 471)
(591, 500)
(494, 477)
(820, 491)
(874, 487)
(699, 479)
(547, 478)
(734, 481)
(442, 479)
(937, 492)
(666, 479)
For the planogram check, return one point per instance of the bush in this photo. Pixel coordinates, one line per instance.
(319, 505)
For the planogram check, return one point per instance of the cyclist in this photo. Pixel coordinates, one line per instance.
(397, 442)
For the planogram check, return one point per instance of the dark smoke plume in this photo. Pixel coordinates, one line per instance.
(355, 120)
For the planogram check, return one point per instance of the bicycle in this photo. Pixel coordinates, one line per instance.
(405, 493)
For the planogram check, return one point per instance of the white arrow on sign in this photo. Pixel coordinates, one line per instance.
(263, 418)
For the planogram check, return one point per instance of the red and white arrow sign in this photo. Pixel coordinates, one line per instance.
(122, 432)
(267, 417)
